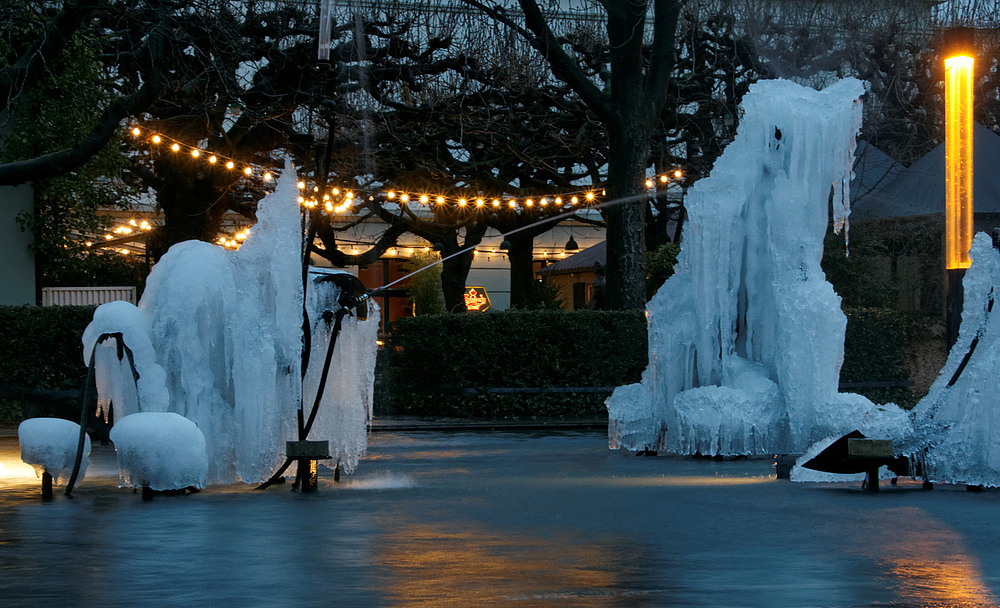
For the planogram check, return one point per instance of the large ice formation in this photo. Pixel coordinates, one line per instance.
(951, 435)
(159, 450)
(217, 338)
(49, 445)
(746, 339)
(955, 427)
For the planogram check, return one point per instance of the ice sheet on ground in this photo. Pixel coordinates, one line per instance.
(746, 339)
(159, 450)
(50, 445)
(217, 338)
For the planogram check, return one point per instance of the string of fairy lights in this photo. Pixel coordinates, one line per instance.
(339, 199)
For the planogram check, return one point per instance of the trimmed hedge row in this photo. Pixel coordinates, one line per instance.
(875, 351)
(431, 357)
(43, 348)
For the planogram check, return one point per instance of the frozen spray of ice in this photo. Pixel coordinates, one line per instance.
(746, 339)
(217, 338)
(49, 445)
(159, 450)
(956, 428)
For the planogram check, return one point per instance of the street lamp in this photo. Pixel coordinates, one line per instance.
(958, 70)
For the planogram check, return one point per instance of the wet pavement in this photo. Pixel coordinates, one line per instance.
(504, 518)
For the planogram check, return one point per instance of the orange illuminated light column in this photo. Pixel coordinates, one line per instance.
(958, 161)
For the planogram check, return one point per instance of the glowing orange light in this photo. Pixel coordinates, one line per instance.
(267, 177)
(175, 147)
(247, 171)
(958, 161)
(156, 139)
(424, 198)
(213, 159)
(195, 153)
(136, 131)
(440, 200)
(230, 164)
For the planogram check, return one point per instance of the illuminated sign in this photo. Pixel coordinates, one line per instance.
(476, 299)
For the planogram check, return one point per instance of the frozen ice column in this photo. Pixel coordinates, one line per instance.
(746, 339)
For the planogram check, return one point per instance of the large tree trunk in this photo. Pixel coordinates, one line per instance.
(522, 275)
(455, 270)
(626, 222)
(628, 147)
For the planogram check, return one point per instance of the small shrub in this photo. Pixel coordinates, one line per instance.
(43, 346)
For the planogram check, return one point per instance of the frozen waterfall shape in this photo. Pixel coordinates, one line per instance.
(217, 338)
(954, 436)
(746, 339)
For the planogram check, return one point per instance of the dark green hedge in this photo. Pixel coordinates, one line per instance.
(432, 356)
(875, 351)
(42, 348)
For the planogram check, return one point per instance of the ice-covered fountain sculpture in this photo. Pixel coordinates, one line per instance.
(218, 339)
(746, 339)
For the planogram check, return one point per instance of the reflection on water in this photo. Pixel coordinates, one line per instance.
(435, 565)
(924, 561)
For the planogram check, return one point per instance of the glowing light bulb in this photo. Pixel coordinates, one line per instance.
(230, 164)
(132, 222)
(156, 139)
(390, 195)
(196, 153)
(664, 178)
(512, 203)
(213, 159)
(136, 131)
(336, 191)
(405, 198)
(424, 198)
(678, 174)
(329, 207)
(440, 200)
(461, 202)
(496, 203)
(175, 148)
(247, 171)
(267, 177)
(574, 200)
(302, 185)
(349, 195)
(480, 202)
(543, 202)
(590, 196)
(558, 200)
(649, 183)
(89, 243)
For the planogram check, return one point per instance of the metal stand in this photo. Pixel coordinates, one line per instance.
(46, 485)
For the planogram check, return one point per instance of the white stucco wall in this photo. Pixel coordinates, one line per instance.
(17, 263)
